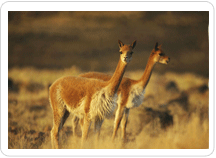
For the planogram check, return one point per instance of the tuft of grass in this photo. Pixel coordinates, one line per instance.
(189, 134)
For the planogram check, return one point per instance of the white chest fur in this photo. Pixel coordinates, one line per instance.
(136, 96)
(102, 104)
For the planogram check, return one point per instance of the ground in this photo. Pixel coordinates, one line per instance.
(173, 115)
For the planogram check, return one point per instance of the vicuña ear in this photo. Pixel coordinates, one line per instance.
(133, 44)
(120, 43)
(156, 46)
(160, 46)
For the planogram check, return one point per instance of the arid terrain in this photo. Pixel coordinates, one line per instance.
(174, 114)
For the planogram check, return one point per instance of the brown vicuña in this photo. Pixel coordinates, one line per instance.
(131, 92)
(86, 98)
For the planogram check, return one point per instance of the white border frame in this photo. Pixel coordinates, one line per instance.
(101, 6)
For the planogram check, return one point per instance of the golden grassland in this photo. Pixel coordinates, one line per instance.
(174, 114)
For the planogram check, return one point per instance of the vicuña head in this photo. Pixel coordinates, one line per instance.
(126, 51)
(158, 55)
(86, 98)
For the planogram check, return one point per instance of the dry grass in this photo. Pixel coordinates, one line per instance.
(174, 114)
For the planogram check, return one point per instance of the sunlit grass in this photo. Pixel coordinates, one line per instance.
(30, 115)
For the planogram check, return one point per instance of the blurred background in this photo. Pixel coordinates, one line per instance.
(88, 40)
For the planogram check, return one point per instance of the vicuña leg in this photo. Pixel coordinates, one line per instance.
(97, 125)
(59, 120)
(75, 121)
(118, 118)
(81, 122)
(124, 122)
(85, 128)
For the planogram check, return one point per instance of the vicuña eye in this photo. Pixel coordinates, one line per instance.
(131, 53)
(120, 52)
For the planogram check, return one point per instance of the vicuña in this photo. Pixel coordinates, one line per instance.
(86, 98)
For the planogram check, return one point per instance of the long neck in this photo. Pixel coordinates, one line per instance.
(147, 73)
(115, 81)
